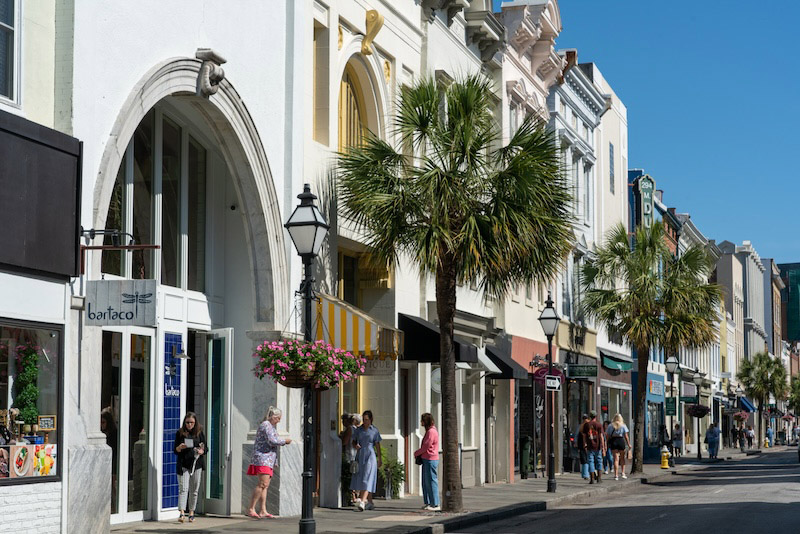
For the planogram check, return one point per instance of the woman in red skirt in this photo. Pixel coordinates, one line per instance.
(265, 454)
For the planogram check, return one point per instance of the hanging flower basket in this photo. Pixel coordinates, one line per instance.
(298, 364)
(741, 416)
(698, 410)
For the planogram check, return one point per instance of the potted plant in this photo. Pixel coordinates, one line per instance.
(392, 473)
(26, 392)
(298, 364)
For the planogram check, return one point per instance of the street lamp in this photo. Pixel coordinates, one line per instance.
(698, 381)
(549, 320)
(673, 366)
(307, 228)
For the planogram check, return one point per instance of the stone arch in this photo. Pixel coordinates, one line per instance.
(370, 74)
(232, 128)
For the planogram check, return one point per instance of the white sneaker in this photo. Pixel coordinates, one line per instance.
(370, 506)
(616, 478)
(359, 506)
(433, 508)
(624, 476)
(605, 472)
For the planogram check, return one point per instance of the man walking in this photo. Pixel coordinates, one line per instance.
(595, 444)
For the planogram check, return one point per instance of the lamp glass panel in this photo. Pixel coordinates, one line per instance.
(319, 238)
(303, 214)
(303, 237)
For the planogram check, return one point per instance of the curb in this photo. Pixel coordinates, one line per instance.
(477, 518)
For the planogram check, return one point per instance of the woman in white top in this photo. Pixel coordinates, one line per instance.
(619, 443)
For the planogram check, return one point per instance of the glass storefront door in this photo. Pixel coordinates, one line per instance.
(218, 405)
(126, 419)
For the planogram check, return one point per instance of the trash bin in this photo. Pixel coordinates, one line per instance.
(524, 456)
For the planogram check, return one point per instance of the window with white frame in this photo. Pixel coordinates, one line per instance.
(611, 166)
(174, 179)
(587, 190)
(8, 48)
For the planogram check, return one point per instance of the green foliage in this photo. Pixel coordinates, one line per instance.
(27, 393)
(498, 214)
(392, 473)
(327, 364)
(761, 376)
(794, 395)
(639, 291)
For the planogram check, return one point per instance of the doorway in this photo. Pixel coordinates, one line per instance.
(208, 394)
(127, 419)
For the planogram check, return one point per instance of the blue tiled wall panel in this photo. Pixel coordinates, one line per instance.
(172, 420)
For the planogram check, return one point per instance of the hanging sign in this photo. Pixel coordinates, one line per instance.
(581, 371)
(670, 406)
(647, 187)
(121, 303)
(436, 380)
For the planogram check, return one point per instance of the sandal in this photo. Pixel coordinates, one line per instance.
(253, 515)
(191, 518)
(267, 515)
(182, 518)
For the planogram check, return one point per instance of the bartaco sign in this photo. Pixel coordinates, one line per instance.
(121, 303)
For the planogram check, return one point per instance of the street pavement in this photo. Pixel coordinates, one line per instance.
(520, 507)
(756, 494)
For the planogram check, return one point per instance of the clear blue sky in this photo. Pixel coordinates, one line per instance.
(712, 93)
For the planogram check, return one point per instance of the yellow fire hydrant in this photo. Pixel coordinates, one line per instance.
(665, 457)
(766, 443)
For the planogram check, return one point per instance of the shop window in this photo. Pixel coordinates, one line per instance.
(654, 420)
(113, 260)
(30, 380)
(8, 48)
(348, 279)
(468, 411)
(143, 210)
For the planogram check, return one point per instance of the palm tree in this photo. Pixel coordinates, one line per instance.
(761, 377)
(640, 292)
(461, 207)
(794, 395)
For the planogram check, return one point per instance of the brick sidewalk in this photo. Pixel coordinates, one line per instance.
(404, 516)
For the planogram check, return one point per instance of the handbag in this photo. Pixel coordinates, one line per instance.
(705, 441)
(418, 460)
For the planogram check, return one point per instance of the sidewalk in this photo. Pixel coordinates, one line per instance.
(404, 516)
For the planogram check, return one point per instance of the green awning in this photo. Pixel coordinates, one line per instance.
(619, 365)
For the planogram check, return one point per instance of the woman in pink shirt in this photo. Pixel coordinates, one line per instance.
(429, 452)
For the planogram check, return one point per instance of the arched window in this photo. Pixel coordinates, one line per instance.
(351, 111)
(159, 197)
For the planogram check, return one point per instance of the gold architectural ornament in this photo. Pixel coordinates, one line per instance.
(374, 25)
(387, 70)
(341, 37)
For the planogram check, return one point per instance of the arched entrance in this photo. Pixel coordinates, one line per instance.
(188, 174)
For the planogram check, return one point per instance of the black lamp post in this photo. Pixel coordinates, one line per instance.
(549, 320)
(307, 228)
(698, 381)
(673, 366)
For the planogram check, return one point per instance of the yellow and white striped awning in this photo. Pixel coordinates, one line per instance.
(346, 327)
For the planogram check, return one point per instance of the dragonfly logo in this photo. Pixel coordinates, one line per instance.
(136, 299)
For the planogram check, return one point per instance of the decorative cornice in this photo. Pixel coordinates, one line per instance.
(486, 31)
(210, 73)
(451, 7)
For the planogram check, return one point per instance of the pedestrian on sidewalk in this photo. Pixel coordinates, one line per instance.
(734, 437)
(190, 448)
(350, 421)
(608, 457)
(742, 437)
(677, 441)
(770, 435)
(367, 441)
(595, 444)
(750, 436)
(619, 442)
(712, 438)
(428, 454)
(262, 463)
(583, 456)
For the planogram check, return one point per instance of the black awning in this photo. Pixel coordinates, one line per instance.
(422, 341)
(500, 354)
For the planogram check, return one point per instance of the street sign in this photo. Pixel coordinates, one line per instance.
(552, 383)
(580, 371)
(689, 399)
(671, 406)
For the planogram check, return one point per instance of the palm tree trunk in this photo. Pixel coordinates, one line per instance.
(640, 409)
(446, 310)
(760, 423)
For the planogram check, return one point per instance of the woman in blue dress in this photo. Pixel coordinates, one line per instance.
(367, 442)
